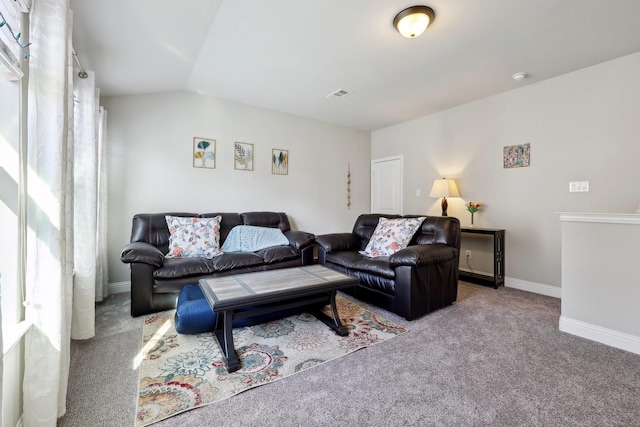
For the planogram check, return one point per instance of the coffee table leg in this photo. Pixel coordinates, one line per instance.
(225, 339)
(334, 323)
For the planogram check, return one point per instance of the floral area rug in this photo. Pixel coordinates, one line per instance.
(182, 372)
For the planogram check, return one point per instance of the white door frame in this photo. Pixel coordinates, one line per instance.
(374, 162)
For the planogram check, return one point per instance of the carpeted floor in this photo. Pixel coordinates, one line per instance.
(494, 358)
(183, 372)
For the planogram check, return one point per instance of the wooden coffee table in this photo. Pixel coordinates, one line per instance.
(271, 291)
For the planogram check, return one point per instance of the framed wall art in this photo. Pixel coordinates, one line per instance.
(243, 156)
(516, 156)
(279, 161)
(204, 153)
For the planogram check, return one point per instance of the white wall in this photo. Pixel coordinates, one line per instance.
(150, 153)
(582, 126)
(600, 287)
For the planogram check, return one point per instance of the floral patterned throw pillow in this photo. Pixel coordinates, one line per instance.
(391, 235)
(193, 237)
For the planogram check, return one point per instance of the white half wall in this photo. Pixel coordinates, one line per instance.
(150, 157)
(582, 126)
(600, 287)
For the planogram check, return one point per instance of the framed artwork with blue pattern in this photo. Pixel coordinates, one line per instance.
(279, 161)
(204, 153)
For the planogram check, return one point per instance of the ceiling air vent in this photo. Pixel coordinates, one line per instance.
(339, 94)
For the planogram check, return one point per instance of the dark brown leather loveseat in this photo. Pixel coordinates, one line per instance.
(156, 280)
(411, 282)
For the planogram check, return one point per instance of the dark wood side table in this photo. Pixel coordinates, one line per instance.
(498, 258)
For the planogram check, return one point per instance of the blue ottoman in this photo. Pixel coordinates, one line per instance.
(194, 314)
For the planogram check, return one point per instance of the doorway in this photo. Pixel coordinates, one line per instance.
(386, 185)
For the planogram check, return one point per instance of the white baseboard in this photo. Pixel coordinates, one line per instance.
(537, 288)
(599, 334)
(119, 287)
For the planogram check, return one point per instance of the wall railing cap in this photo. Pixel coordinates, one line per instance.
(608, 218)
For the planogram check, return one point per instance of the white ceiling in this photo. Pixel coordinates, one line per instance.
(288, 55)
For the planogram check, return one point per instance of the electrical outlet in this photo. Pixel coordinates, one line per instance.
(468, 254)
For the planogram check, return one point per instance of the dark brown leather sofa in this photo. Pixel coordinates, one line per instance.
(413, 281)
(156, 281)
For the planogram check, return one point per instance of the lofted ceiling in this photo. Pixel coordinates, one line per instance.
(288, 55)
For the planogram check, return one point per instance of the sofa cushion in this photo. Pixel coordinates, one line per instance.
(356, 261)
(193, 237)
(391, 235)
(236, 260)
(278, 254)
(174, 268)
(249, 238)
(267, 219)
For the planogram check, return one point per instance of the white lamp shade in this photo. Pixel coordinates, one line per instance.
(444, 188)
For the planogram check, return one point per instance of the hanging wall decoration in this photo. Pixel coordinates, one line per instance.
(204, 153)
(243, 156)
(516, 156)
(279, 161)
(348, 185)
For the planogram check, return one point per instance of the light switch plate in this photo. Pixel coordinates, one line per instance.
(578, 186)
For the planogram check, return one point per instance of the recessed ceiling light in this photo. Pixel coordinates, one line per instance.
(519, 76)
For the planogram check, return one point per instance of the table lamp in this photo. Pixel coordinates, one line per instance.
(444, 188)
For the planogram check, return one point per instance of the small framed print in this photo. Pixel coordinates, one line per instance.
(204, 153)
(279, 161)
(516, 156)
(243, 156)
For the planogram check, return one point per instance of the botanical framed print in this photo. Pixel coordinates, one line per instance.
(279, 161)
(243, 156)
(204, 153)
(516, 156)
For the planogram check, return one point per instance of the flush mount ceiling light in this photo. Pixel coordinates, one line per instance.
(412, 21)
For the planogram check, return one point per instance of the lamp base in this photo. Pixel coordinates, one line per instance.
(445, 205)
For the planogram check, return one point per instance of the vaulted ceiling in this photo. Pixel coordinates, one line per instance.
(288, 55)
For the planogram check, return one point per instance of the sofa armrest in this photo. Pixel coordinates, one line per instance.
(420, 255)
(142, 252)
(337, 242)
(299, 239)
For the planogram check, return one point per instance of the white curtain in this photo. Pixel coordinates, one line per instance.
(90, 204)
(66, 242)
(1, 359)
(102, 278)
(49, 284)
(85, 210)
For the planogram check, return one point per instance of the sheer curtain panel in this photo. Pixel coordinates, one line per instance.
(85, 209)
(50, 213)
(102, 278)
(90, 205)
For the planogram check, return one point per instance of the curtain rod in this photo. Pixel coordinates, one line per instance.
(82, 73)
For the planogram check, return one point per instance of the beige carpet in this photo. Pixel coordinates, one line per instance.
(183, 372)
